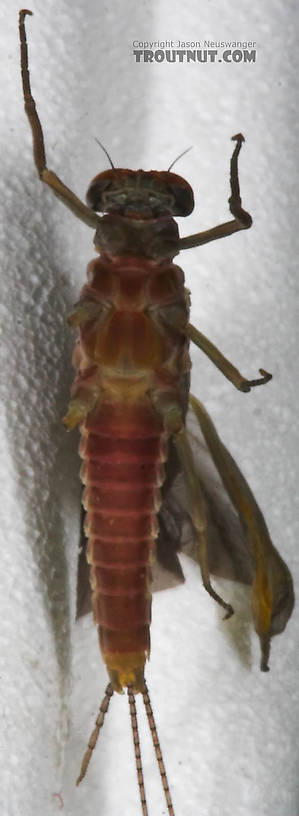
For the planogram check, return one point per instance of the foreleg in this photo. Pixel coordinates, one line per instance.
(242, 219)
(66, 195)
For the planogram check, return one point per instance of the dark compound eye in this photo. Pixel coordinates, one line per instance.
(94, 196)
(183, 199)
(180, 191)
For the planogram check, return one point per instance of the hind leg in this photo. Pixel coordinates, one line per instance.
(197, 512)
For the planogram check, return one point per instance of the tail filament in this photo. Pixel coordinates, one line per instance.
(134, 724)
(158, 752)
(94, 736)
(153, 729)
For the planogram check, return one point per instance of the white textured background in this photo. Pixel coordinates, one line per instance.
(230, 733)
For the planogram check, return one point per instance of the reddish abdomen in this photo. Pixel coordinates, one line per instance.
(122, 470)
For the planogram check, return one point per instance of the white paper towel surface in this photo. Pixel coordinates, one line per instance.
(229, 733)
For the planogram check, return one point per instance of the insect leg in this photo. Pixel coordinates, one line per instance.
(64, 193)
(224, 365)
(197, 513)
(242, 219)
(272, 597)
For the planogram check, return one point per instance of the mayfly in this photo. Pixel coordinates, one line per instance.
(130, 400)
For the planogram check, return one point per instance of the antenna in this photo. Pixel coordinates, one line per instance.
(105, 151)
(178, 157)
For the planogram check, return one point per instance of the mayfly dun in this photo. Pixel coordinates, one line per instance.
(146, 471)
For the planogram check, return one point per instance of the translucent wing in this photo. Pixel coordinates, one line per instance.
(272, 594)
(227, 549)
(83, 602)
